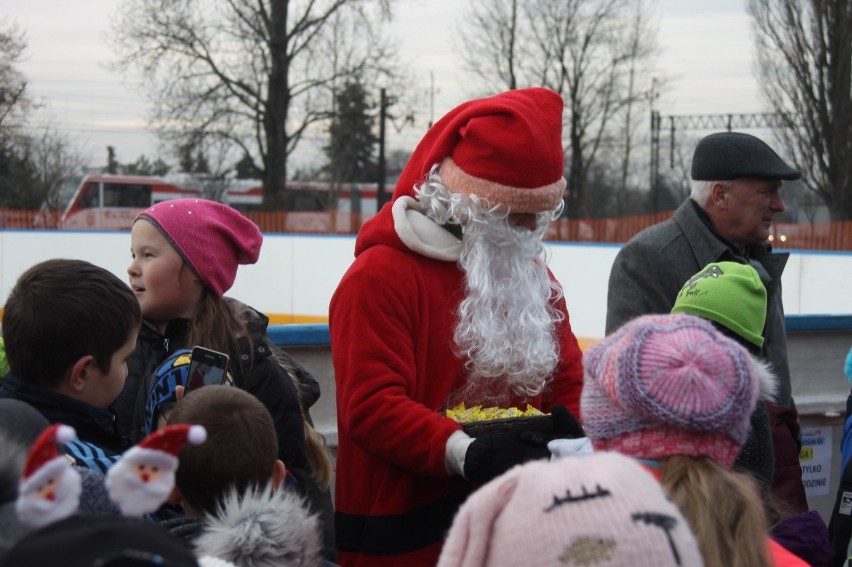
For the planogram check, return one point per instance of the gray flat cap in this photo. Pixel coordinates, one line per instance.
(729, 155)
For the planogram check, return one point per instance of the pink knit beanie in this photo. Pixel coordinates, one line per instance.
(600, 509)
(212, 238)
(666, 385)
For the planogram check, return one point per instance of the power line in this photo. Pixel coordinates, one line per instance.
(731, 121)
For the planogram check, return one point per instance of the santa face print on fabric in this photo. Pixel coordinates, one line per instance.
(50, 487)
(144, 477)
(506, 323)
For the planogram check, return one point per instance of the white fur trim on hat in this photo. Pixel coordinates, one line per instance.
(153, 457)
(513, 199)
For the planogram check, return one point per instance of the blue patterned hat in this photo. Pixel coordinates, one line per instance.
(173, 372)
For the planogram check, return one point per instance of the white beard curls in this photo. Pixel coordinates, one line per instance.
(133, 496)
(506, 326)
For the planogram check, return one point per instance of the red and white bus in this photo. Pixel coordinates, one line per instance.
(111, 202)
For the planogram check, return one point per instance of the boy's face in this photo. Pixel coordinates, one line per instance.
(165, 288)
(102, 388)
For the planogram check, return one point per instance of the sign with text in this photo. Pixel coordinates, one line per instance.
(815, 458)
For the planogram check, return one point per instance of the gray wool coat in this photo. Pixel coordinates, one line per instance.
(650, 269)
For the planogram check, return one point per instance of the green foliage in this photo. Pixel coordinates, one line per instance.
(144, 166)
(247, 169)
(16, 176)
(352, 145)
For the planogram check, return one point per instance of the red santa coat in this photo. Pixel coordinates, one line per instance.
(391, 323)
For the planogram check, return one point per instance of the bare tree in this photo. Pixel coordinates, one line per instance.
(35, 168)
(577, 48)
(257, 73)
(54, 163)
(804, 58)
(639, 85)
(14, 102)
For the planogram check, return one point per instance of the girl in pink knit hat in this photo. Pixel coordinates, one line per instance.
(185, 255)
(674, 392)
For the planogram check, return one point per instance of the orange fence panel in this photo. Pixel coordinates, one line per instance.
(836, 236)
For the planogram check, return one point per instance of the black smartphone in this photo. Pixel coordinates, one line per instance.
(208, 367)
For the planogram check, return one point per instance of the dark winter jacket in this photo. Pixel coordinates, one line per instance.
(98, 444)
(647, 275)
(255, 372)
(152, 349)
(806, 536)
(260, 375)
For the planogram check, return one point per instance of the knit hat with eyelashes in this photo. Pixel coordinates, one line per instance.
(666, 385)
(603, 509)
(212, 238)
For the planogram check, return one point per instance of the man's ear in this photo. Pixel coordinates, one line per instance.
(278, 475)
(80, 372)
(175, 497)
(719, 195)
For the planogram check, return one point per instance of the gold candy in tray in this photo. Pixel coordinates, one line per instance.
(477, 420)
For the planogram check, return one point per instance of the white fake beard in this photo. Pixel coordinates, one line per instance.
(506, 328)
(38, 512)
(134, 497)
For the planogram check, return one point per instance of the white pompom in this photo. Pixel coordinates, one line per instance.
(197, 435)
(65, 434)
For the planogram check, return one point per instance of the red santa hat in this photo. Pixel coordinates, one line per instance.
(46, 448)
(505, 149)
(45, 464)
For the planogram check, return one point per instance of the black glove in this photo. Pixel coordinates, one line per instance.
(493, 454)
(564, 426)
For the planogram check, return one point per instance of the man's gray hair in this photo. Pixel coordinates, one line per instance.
(701, 191)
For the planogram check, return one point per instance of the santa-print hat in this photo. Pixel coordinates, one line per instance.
(665, 385)
(46, 448)
(161, 448)
(141, 481)
(212, 238)
(45, 464)
(505, 149)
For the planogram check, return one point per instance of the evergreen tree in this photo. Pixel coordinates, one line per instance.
(352, 144)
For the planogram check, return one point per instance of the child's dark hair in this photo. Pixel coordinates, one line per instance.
(62, 310)
(240, 451)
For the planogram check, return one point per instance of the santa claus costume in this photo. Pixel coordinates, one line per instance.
(393, 319)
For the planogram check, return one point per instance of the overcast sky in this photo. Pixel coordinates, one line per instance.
(706, 53)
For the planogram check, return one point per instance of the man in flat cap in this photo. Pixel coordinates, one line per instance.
(736, 183)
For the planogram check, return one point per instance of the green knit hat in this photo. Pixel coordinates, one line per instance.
(730, 294)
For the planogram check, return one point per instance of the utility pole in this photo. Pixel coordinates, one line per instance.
(381, 196)
(654, 179)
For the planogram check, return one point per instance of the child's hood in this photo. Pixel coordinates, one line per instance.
(262, 529)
